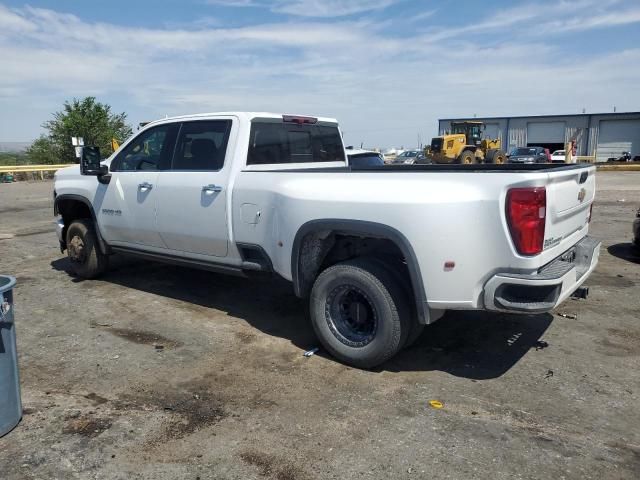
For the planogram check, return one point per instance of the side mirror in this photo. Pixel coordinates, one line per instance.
(90, 162)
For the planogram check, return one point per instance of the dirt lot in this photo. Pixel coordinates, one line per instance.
(157, 371)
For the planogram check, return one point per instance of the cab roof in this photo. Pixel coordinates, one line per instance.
(244, 115)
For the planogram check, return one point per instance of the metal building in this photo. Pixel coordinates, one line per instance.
(600, 135)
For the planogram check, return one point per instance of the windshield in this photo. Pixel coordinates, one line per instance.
(472, 130)
(523, 151)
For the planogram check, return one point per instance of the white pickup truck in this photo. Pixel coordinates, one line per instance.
(380, 251)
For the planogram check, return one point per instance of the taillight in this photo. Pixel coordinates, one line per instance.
(590, 213)
(526, 213)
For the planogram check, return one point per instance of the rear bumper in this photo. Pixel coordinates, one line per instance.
(547, 287)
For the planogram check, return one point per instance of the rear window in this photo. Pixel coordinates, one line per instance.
(365, 159)
(273, 143)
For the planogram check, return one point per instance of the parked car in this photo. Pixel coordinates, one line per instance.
(256, 193)
(529, 155)
(636, 230)
(409, 157)
(362, 158)
(625, 157)
(422, 159)
(558, 156)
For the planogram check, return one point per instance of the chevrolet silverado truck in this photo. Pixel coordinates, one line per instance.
(379, 251)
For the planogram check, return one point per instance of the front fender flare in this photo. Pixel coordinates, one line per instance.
(104, 247)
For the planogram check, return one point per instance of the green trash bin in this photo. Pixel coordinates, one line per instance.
(10, 403)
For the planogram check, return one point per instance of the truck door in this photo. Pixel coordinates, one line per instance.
(126, 206)
(192, 201)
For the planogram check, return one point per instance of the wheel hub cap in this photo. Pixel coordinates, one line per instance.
(351, 316)
(76, 249)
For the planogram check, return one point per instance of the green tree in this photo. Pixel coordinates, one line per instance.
(84, 118)
(43, 152)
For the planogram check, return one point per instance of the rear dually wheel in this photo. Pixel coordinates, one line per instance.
(359, 312)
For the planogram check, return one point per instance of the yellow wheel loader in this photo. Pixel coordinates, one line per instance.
(465, 145)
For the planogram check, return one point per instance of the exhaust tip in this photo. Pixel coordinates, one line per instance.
(581, 292)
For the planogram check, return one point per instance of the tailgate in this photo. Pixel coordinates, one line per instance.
(570, 194)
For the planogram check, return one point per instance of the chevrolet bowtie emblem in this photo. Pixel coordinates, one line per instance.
(581, 194)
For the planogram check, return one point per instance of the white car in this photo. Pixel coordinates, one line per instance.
(558, 156)
(364, 158)
(378, 252)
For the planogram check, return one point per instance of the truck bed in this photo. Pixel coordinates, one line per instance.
(435, 167)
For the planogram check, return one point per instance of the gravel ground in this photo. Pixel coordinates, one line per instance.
(157, 371)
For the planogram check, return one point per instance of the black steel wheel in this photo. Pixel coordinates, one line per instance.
(351, 315)
(359, 312)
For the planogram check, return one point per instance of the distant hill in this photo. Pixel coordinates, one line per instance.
(14, 146)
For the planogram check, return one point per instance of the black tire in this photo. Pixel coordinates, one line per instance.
(360, 288)
(415, 331)
(87, 261)
(467, 157)
(415, 327)
(496, 156)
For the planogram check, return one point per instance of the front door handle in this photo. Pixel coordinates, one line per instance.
(145, 186)
(212, 188)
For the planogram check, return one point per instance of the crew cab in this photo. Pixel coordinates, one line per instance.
(379, 251)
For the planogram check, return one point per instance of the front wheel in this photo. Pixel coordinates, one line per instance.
(359, 313)
(87, 261)
(467, 157)
(497, 156)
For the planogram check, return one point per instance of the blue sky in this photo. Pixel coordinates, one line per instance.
(387, 69)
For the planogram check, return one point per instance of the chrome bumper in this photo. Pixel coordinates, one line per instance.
(546, 288)
(60, 229)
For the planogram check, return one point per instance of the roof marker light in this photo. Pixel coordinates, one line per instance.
(299, 120)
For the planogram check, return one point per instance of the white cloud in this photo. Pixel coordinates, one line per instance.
(310, 8)
(597, 20)
(419, 17)
(234, 3)
(12, 22)
(330, 8)
(384, 88)
(530, 19)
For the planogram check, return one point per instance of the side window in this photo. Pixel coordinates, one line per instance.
(148, 151)
(202, 145)
(273, 143)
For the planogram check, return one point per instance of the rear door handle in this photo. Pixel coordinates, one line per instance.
(145, 186)
(211, 188)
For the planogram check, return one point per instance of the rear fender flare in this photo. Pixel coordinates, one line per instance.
(366, 229)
